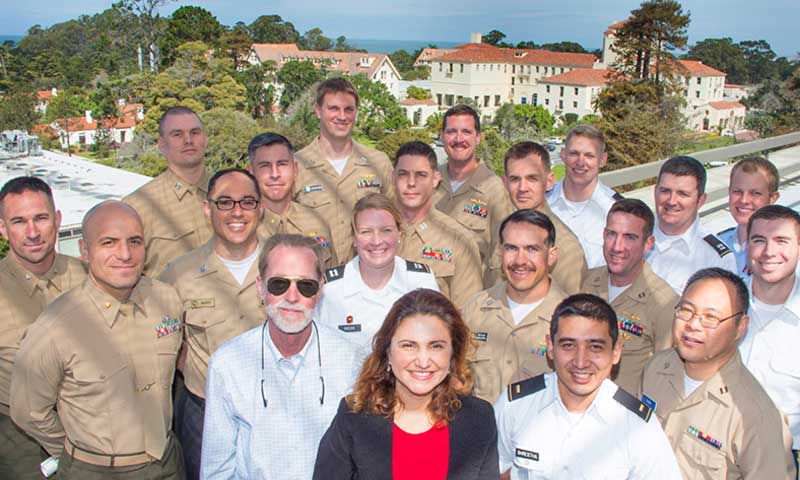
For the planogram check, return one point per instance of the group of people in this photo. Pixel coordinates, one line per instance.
(334, 313)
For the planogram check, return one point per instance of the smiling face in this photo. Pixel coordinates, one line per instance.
(377, 237)
(707, 348)
(113, 247)
(236, 228)
(583, 356)
(772, 251)
(420, 353)
(337, 115)
(290, 312)
(677, 201)
(460, 138)
(624, 247)
(275, 168)
(747, 193)
(527, 181)
(30, 225)
(583, 160)
(183, 141)
(415, 182)
(527, 261)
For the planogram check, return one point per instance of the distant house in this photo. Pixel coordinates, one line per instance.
(377, 67)
(418, 111)
(83, 131)
(43, 99)
(737, 92)
(570, 92)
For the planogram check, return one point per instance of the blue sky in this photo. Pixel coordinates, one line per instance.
(542, 21)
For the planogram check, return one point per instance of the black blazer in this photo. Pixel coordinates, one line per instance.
(359, 445)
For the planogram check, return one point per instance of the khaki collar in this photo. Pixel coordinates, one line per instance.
(108, 306)
(474, 182)
(180, 188)
(28, 281)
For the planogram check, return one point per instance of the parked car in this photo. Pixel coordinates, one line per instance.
(550, 147)
(554, 140)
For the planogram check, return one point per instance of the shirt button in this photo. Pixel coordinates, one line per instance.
(508, 362)
(513, 334)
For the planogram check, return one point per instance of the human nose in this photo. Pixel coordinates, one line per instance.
(292, 294)
(582, 356)
(31, 230)
(616, 243)
(123, 251)
(423, 358)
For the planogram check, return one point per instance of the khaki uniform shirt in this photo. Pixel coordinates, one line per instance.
(441, 243)
(726, 429)
(333, 196)
(570, 266)
(304, 221)
(23, 296)
(172, 214)
(480, 204)
(506, 349)
(216, 307)
(99, 371)
(644, 313)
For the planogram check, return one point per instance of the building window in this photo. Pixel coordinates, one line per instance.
(697, 93)
(440, 66)
(561, 91)
(486, 100)
(451, 68)
(448, 100)
(547, 88)
(686, 93)
(562, 70)
(439, 98)
(523, 100)
(529, 69)
(497, 100)
(513, 69)
(576, 90)
(491, 67)
(545, 70)
(512, 80)
(561, 104)
(535, 99)
(462, 67)
(537, 68)
(547, 101)
(699, 80)
(460, 99)
(574, 104)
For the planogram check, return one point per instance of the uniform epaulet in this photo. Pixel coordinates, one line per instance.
(717, 244)
(526, 387)
(335, 273)
(417, 267)
(617, 196)
(726, 230)
(633, 404)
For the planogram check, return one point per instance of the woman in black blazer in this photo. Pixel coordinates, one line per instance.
(410, 415)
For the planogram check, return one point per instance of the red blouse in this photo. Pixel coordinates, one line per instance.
(420, 455)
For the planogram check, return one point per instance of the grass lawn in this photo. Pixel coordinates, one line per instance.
(558, 170)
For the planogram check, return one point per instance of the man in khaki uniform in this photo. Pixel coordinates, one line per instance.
(469, 191)
(511, 320)
(273, 164)
(335, 170)
(527, 179)
(429, 236)
(718, 418)
(171, 205)
(643, 302)
(93, 377)
(31, 276)
(217, 284)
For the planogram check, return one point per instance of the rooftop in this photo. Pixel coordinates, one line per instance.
(725, 105)
(698, 69)
(581, 77)
(484, 53)
(350, 63)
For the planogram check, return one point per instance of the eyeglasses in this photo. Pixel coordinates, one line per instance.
(686, 314)
(306, 286)
(319, 366)
(225, 204)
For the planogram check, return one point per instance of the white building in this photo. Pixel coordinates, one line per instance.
(83, 131)
(378, 67)
(735, 93)
(418, 111)
(570, 92)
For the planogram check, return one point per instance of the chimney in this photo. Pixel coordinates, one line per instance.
(475, 37)
(89, 116)
(54, 91)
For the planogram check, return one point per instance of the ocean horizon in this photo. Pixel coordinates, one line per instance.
(376, 45)
(13, 38)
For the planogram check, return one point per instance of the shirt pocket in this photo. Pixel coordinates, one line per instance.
(699, 461)
(787, 367)
(100, 386)
(315, 199)
(167, 349)
(526, 469)
(485, 375)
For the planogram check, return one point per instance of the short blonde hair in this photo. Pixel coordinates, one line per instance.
(377, 201)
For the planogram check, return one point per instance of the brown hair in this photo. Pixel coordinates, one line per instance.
(377, 201)
(374, 392)
(335, 85)
(589, 131)
(759, 165)
(289, 240)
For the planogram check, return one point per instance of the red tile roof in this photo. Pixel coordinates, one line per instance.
(699, 69)
(345, 62)
(615, 26)
(725, 105)
(484, 53)
(43, 94)
(79, 124)
(581, 77)
(428, 54)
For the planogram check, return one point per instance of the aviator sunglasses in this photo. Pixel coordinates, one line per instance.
(306, 286)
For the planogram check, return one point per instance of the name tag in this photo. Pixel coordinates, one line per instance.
(350, 328)
(527, 454)
(312, 188)
(200, 303)
(480, 336)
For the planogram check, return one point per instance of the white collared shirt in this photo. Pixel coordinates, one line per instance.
(587, 222)
(358, 311)
(731, 239)
(242, 438)
(675, 258)
(539, 439)
(769, 351)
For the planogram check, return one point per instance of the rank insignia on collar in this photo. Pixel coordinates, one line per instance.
(319, 239)
(443, 254)
(476, 209)
(704, 437)
(627, 324)
(370, 181)
(312, 188)
(167, 326)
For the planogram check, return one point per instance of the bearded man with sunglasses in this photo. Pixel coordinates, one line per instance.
(717, 416)
(217, 284)
(272, 391)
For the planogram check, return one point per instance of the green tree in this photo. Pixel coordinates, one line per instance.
(63, 107)
(378, 109)
(722, 54)
(645, 42)
(296, 77)
(434, 123)
(315, 40)
(571, 47)
(519, 122)
(342, 45)
(273, 29)
(492, 149)
(402, 60)
(188, 24)
(229, 132)
(418, 93)
(17, 110)
(391, 143)
(760, 60)
(495, 37)
(257, 81)
(300, 123)
(150, 25)
(236, 44)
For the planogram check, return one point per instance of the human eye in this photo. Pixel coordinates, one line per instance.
(406, 345)
(534, 249)
(225, 204)
(509, 248)
(135, 241)
(249, 203)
